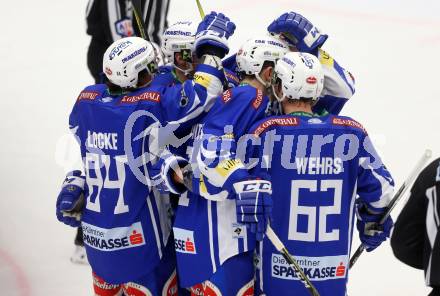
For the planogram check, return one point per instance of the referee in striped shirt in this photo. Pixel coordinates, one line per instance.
(416, 236)
(110, 20)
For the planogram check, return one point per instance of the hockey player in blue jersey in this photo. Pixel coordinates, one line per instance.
(218, 244)
(120, 127)
(323, 170)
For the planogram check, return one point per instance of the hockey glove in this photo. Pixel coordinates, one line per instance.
(212, 35)
(371, 233)
(254, 205)
(298, 31)
(165, 181)
(70, 201)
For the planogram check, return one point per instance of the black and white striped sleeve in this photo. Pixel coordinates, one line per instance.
(416, 237)
(155, 16)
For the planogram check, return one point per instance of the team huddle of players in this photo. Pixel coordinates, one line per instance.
(242, 143)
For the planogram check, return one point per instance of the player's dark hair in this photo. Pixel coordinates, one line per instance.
(117, 90)
(266, 64)
(308, 101)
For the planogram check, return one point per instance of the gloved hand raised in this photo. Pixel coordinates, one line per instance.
(212, 35)
(298, 31)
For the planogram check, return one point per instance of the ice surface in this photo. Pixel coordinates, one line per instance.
(392, 48)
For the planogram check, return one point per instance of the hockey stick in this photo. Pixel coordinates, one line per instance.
(409, 180)
(199, 6)
(292, 262)
(137, 9)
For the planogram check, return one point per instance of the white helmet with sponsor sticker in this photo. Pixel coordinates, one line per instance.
(126, 58)
(254, 52)
(296, 76)
(179, 38)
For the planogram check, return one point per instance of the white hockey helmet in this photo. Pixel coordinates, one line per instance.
(254, 52)
(298, 75)
(126, 57)
(179, 38)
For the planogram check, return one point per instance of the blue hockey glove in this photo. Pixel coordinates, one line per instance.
(212, 35)
(162, 174)
(371, 233)
(70, 201)
(298, 31)
(254, 205)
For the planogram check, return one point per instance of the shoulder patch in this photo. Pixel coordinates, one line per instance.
(258, 99)
(88, 95)
(232, 77)
(151, 96)
(348, 122)
(325, 58)
(227, 96)
(202, 78)
(289, 121)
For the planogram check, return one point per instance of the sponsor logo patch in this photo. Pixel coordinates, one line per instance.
(348, 122)
(258, 99)
(326, 59)
(228, 166)
(88, 95)
(311, 80)
(118, 49)
(316, 268)
(315, 121)
(177, 33)
(132, 288)
(170, 288)
(232, 77)
(202, 79)
(227, 95)
(184, 241)
(108, 71)
(133, 55)
(113, 239)
(238, 230)
(292, 121)
(207, 288)
(146, 96)
(124, 28)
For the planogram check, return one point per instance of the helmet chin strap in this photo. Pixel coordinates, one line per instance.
(186, 72)
(266, 84)
(279, 99)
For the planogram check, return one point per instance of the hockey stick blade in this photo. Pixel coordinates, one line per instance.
(292, 262)
(399, 194)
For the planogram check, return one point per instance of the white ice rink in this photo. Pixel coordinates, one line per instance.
(391, 46)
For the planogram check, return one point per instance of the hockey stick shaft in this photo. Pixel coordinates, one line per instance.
(292, 262)
(137, 8)
(399, 194)
(199, 6)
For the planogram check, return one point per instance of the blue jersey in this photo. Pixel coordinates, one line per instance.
(205, 218)
(125, 223)
(318, 166)
(165, 76)
(205, 231)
